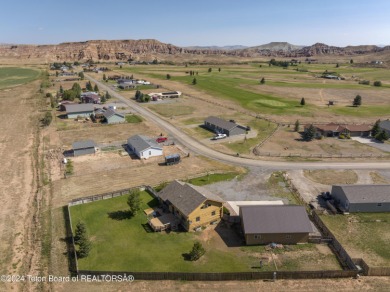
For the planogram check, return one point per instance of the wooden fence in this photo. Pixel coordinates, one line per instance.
(372, 271)
(335, 245)
(227, 276)
(257, 152)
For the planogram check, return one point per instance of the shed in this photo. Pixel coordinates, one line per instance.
(144, 147)
(287, 224)
(83, 147)
(362, 198)
(224, 127)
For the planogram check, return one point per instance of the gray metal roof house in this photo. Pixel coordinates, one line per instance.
(144, 147)
(287, 224)
(385, 125)
(74, 111)
(113, 117)
(362, 198)
(83, 147)
(192, 205)
(224, 127)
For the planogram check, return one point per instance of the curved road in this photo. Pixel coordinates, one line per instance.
(201, 149)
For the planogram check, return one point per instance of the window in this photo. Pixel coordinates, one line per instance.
(379, 204)
(150, 152)
(257, 236)
(213, 213)
(288, 236)
(197, 219)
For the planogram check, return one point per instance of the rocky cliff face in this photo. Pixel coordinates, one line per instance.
(123, 50)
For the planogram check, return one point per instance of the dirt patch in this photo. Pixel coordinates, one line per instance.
(377, 178)
(331, 177)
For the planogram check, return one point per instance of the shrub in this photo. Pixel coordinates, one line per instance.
(377, 83)
(364, 82)
(197, 251)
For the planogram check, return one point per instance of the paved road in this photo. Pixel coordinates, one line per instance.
(199, 148)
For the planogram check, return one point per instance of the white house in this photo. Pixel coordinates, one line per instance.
(144, 147)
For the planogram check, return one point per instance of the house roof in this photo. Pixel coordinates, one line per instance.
(385, 125)
(186, 197)
(366, 193)
(110, 113)
(76, 108)
(275, 219)
(223, 124)
(83, 144)
(141, 143)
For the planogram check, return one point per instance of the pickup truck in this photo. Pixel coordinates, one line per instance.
(219, 136)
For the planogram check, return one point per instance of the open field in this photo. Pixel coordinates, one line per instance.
(283, 89)
(14, 76)
(363, 235)
(19, 220)
(123, 243)
(332, 177)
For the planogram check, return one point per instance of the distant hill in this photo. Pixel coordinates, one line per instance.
(150, 49)
(223, 48)
(278, 46)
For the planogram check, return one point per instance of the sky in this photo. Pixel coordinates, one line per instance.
(197, 22)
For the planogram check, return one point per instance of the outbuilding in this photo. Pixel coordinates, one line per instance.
(287, 224)
(73, 111)
(84, 147)
(112, 117)
(362, 198)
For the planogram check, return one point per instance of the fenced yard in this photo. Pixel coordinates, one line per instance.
(125, 243)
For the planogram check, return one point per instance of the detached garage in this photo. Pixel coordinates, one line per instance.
(84, 147)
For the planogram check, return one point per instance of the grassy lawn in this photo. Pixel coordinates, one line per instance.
(363, 235)
(213, 178)
(133, 119)
(123, 244)
(12, 76)
(169, 110)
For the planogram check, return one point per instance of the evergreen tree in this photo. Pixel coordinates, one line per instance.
(104, 77)
(219, 69)
(103, 99)
(108, 96)
(296, 127)
(96, 88)
(61, 89)
(357, 101)
(134, 201)
(310, 133)
(303, 102)
(46, 121)
(168, 76)
(262, 81)
(382, 136)
(77, 89)
(197, 251)
(194, 81)
(81, 75)
(210, 70)
(375, 129)
(88, 86)
(80, 232)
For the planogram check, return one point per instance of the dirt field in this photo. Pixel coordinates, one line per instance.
(332, 177)
(286, 141)
(18, 180)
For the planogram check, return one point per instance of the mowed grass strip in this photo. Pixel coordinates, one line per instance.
(13, 76)
(122, 244)
(169, 110)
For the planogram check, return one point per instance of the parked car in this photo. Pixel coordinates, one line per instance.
(161, 139)
(219, 136)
